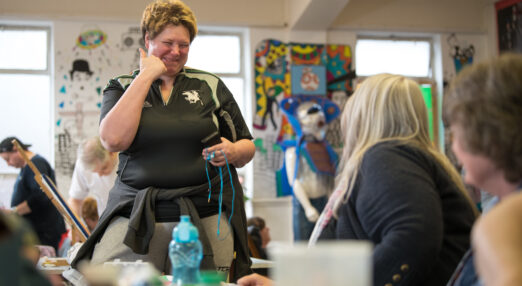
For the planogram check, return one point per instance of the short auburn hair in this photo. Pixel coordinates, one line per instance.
(158, 14)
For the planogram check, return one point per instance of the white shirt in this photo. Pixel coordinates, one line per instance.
(85, 183)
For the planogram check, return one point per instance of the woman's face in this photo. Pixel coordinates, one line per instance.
(480, 171)
(171, 46)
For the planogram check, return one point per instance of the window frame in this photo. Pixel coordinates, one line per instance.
(48, 71)
(430, 75)
(242, 33)
(21, 27)
(213, 31)
(427, 80)
(210, 32)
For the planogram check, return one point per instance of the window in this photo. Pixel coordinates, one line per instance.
(25, 78)
(221, 54)
(407, 57)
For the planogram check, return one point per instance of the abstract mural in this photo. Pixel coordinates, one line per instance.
(281, 71)
(86, 57)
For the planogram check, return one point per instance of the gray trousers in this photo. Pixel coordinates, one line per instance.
(111, 245)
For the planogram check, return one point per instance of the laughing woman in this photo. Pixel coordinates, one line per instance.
(158, 118)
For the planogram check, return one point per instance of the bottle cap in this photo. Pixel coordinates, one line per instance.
(185, 231)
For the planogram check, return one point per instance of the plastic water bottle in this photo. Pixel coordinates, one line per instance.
(185, 253)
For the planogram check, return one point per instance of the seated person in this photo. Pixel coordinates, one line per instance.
(395, 188)
(259, 235)
(90, 213)
(497, 239)
(483, 108)
(19, 253)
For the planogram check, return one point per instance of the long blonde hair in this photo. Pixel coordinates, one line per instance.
(385, 107)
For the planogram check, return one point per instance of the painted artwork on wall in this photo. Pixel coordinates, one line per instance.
(87, 55)
(509, 25)
(281, 71)
(459, 50)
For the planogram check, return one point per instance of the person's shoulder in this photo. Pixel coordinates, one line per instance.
(42, 165)
(123, 81)
(211, 79)
(37, 159)
(382, 150)
(192, 72)
(395, 154)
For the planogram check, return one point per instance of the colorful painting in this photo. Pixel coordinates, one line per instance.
(308, 79)
(272, 82)
(283, 70)
(307, 54)
(461, 53)
(339, 73)
(91, 39)
(509, 25)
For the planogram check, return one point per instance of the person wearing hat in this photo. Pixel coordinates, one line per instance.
(28, 200)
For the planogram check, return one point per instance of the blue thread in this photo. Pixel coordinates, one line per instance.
(233, 190)
(208, 179)
(220, 198)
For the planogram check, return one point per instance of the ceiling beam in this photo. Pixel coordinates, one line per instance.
(313, 14)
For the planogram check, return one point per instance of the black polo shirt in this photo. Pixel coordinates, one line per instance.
(166, 151)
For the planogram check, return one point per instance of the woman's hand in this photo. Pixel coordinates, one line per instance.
(254, 280)
(216, 156)
(237, 154)
(151, 65)
(118, 128)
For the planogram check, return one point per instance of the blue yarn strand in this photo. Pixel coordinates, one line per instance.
(220, 198)
(233, 190)
(208, 178)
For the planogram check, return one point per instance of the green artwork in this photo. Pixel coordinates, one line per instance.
(428, 99)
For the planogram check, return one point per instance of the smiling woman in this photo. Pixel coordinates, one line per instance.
(172, 47)
(157, 118)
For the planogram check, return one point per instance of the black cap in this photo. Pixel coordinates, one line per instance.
(7, 144)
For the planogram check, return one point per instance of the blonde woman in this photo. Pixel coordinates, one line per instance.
(396, 189)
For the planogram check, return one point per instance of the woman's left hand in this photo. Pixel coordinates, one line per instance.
(217, 158)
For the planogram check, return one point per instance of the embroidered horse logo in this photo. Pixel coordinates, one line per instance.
(192, 96)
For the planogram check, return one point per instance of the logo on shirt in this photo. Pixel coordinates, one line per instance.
(192, 96)
(146, 104)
